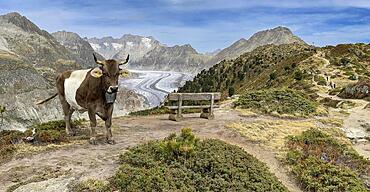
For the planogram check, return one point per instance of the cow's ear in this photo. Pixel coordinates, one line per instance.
(96, 72)
(124, 73)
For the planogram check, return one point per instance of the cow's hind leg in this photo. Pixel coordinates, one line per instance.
(67, 110)
(67, 119)
(92, 118)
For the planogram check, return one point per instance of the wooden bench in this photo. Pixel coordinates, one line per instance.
(180, 97)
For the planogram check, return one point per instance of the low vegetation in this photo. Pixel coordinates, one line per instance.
(38, 134)
(322, 163)
(185, 163)
(280, 101)
(160, 110)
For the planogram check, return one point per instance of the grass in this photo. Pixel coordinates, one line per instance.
(271, 133)
(322, 163)
(185, 163)
(280, 101)
(161, 110)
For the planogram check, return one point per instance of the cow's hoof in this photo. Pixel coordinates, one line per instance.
(111, 141)
(92, 141)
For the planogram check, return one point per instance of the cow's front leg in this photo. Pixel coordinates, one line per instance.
(92, 118)
(109, 136)
(108, 125)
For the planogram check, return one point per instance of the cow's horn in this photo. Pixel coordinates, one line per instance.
(126, 61)
(97, 61)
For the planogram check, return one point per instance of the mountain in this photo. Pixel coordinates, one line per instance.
(277, 36)
(135, 45)
(177, 58)
(30, 59)
(78, 46)
(149, 54)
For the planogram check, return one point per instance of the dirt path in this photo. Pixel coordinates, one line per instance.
(85, 161)
(355, 123)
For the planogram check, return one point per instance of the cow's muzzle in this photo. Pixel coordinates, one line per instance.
(111, 94)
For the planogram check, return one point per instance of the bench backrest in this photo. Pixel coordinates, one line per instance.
(194, 96)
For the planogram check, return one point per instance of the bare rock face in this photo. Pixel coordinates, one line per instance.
(276, 36)
(30, 59)
(50, 185)
(79, 47)
(359, 90)
(177, 58)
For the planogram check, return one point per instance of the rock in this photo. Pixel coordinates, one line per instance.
(358, 90)
(50, 185)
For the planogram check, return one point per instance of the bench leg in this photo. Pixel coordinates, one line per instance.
(176, 116)
(208, 114)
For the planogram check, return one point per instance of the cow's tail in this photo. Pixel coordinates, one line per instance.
(46, 100)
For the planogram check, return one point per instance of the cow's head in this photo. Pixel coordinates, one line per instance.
(109, 71)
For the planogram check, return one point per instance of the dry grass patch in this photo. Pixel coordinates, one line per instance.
(271, 133)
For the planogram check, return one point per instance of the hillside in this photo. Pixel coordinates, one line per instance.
(265, 67)
(288, 65)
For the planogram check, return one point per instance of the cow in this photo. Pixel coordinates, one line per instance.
(92, 90)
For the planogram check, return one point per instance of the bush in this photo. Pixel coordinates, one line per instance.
(231, 91)
(321, 163)
(320, 80)
(282, 101)
(298, 75)
(8, 138)
(183, 163)
(51, 132)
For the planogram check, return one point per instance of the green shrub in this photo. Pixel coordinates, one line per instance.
(8, 138)
(183, 163)
(52, 131)
(231, 91)
(335, 91)
(298, 75)
(320, 80)
(321, 163)
(91, 185)
(283, 101)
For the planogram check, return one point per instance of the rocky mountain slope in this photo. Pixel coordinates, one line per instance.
(277, 36)
(30, 59)
(177, 58)
(78, 46)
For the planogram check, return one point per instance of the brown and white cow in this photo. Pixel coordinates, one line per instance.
(91, 90)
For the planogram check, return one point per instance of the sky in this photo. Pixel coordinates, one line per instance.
(207, 25)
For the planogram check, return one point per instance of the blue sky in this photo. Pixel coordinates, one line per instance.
(206, 25)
